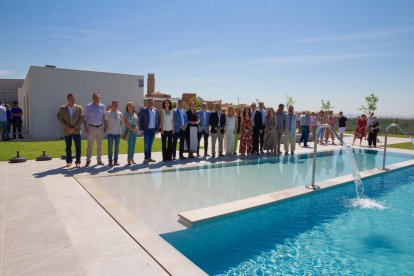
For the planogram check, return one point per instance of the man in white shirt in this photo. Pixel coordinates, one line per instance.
(113, 123)
(291, 120)
(94, 127)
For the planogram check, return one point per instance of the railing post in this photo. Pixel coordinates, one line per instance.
(386, 141)
(315, 150)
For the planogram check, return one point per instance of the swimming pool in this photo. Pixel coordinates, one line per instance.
(320, 233)
(157, 197)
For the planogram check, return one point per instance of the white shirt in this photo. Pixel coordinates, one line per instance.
(114, 120)
(71, 111)
(167, 120)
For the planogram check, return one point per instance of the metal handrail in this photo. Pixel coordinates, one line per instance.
(315, 148)
(386, 141)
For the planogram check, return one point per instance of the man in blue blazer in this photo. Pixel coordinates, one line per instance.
(217, 123)
(203, 130)
(149, 123)
(180, 126)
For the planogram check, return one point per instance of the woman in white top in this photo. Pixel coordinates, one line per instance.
(167, 130)
(230, 130)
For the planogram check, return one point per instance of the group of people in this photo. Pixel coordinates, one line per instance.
(247, 130)
(11, 118)
(98, 119)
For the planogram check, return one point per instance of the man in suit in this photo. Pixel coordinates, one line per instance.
(71, 119)
(149, 123)
(258, 119)
(204, 116)
(180, 126)
(217, 123)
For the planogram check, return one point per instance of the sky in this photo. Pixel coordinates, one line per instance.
(236, 51)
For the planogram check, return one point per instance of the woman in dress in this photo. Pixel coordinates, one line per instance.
(167, 130)
(192, 130)
(360, 130)
(131, 130)
(270, 131)
(229, 131)
(246, 132)
(321, 120)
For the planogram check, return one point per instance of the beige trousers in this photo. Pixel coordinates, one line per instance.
(278, 137)
(95, 133)
(214, 137)
(290, 140)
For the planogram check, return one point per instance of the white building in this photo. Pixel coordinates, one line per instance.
(45, 89)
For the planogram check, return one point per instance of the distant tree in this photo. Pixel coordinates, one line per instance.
(197, 101)
(371, 106)
(257, 101)
(327, 106)
(289, 101)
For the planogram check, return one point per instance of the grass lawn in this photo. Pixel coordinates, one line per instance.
(382, 134)
(56, 148)
(407, 145)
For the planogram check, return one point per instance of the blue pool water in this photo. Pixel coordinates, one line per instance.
(320, 233)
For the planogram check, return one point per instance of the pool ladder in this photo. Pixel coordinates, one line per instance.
(315, 149)
(386, 141)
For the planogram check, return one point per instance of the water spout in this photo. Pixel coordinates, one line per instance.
(359, 186)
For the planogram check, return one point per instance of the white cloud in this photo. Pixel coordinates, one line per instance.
(192, 52)
(313, 58)
(355, 36)
(5, 72)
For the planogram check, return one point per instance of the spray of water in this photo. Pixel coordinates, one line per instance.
(359, 186)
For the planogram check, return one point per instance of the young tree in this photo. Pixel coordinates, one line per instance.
(327, 106)
(289, 101)
(371, 106)
(197, 101)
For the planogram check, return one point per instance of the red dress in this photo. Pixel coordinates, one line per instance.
(360, 131)
(246, 133)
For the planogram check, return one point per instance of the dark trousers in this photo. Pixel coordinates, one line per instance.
(9, 123)
(204, 134)
(17, 126)
(372, 139)
(178, 135)
(262, 139)
(305, 135)
(167, 145)
(257, 138)
(68, 141)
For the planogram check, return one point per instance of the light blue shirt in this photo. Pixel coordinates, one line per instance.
(151, 123)
(291, 122)
(3, 114)
(253, 114)
(95, 114)
(182, 117)
(304, 120)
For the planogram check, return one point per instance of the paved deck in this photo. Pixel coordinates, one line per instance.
(50, 225)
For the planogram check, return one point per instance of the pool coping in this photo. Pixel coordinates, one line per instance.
(169, 258)
(191, 218)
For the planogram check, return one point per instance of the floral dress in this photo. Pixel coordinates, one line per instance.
(246, 135)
